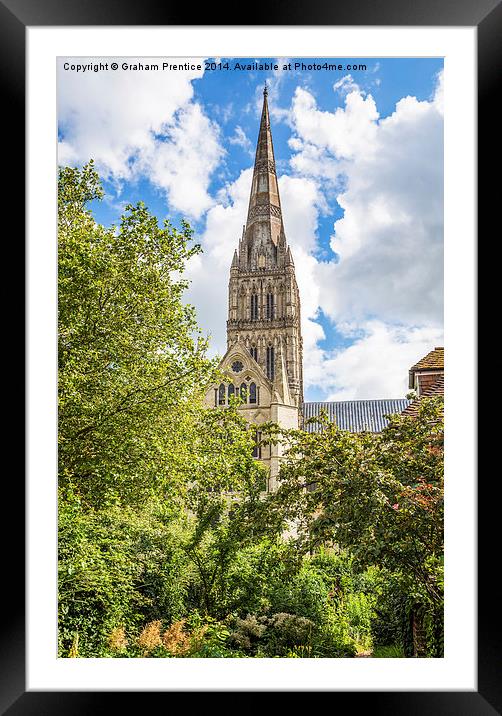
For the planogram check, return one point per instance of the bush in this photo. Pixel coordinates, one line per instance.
(305, 595)
(326, 591)
(247, 633)
(289, 632)
(118, 569)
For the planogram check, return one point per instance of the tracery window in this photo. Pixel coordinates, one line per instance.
(270, 307)
(257, 446)
(270, 363)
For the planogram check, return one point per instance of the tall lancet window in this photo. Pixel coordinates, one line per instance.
(254, 307)
(221, 394)
(252, 393)
(254, 352)
(257, 444)
(270, 306)
(270, 363)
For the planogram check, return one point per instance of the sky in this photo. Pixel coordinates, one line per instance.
(359, 153)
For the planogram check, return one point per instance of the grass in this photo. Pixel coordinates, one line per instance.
(393, 651)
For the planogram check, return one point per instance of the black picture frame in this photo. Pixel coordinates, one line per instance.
(15, 17)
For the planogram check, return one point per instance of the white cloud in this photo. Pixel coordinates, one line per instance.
(182, 162)
(139, 124)
(346, 84)
(385, 292)
(389, 241)
(241, 139)
(438, 96)
(301, 203)
(209, 272)
(343, 133)
(376, 365)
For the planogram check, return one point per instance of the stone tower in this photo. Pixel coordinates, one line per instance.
(263, 362)
(264, 302)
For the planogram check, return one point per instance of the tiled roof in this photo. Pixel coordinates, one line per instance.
(433, 360)
(355, 415)
(436, 389)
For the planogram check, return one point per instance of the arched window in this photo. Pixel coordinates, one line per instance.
(221, 394)
(231, 391)
(257, 446)
(254, 352)
(270, 306)
(270, 363)
(244, 392)
(252, 393)
(254, 307)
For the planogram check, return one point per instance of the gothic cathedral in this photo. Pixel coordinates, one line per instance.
(263, 362)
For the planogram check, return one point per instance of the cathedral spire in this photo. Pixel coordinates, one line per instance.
(264, 231)
(264, 147)
(263, 296)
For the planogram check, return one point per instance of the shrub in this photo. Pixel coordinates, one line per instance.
(305, 595)
(149, 637)
(288, 632)
(118, 568)
(248, 632)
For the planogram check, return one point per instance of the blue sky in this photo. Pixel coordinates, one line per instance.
(359, 155)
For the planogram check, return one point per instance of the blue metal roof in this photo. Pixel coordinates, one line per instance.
(355, 415)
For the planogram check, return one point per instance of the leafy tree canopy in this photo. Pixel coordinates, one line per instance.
(132, 361)
(380, 496)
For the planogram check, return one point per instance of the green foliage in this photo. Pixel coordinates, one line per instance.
(97, 577)
(305, 595)
(379, 496)
(131, 357)
(338, 619)
(289, 632)
(167, 546)
(248, 633)
(390, 624)
(393, 651)
(213, 644)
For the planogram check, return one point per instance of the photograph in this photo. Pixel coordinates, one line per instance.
(250, 290)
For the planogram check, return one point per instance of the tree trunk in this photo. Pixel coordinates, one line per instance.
(419, 635)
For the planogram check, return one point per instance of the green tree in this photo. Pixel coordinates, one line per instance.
(228, 513)
(380, 496)
(132, 361)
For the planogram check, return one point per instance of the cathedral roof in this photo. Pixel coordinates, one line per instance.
(354, 415)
